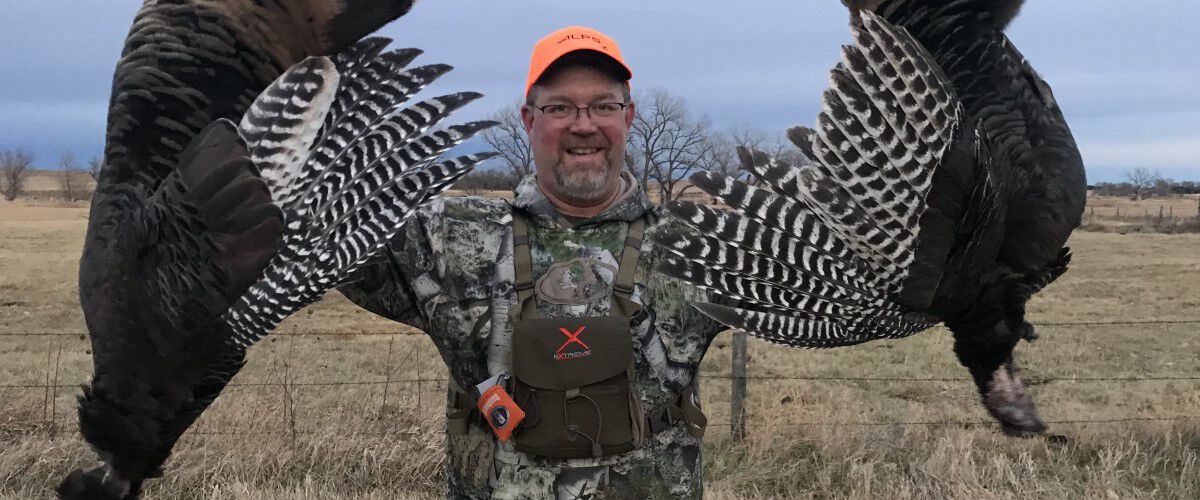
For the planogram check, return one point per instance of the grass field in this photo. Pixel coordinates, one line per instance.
(1176, 214)
(316, 415)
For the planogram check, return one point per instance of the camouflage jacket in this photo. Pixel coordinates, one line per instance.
(450, 273)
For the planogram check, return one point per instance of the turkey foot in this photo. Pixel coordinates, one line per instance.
(1008, 403)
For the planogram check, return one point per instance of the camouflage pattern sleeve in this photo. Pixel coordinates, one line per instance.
(383, 285)
(680, 295)
(437, 275)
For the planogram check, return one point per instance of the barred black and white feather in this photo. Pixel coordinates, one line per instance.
(374, 165)
(905, 195)
(281, 125)
(202, 217)
(816, 261)
(942, 185)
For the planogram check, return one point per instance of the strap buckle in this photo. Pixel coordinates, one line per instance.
(686, 411)
(661, 419)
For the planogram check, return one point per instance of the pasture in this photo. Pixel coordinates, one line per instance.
(342, 404)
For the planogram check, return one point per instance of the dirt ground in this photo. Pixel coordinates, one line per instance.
(342, 404)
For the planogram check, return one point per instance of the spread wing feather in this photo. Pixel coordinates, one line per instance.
(283, 122)
(816, 261)
(195, 218)
(372, 169)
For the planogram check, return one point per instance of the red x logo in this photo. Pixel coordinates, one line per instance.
(572, 338)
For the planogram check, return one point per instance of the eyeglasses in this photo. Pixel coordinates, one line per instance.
(598, 110)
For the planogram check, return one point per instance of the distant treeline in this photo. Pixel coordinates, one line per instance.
(497, 179)
(487, 180)
(1158, 188)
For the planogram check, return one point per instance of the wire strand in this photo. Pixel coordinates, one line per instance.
(957, 423)
(1030, 380)
(83, 335)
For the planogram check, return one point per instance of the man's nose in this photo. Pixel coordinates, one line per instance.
(583, 123)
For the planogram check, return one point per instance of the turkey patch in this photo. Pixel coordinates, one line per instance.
(579, 281)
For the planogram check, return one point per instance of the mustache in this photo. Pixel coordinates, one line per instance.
(585, 145)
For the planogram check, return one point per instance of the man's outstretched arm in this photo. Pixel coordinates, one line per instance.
(383, 285)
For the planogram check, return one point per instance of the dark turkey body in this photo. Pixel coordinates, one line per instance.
(1003, 202)
(1016, 180)
(178, 228)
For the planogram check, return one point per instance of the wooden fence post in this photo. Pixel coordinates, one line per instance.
(737, 383)
(420, 388)
(387, 377)
(46, 389)
(54, 392)
(288, 400)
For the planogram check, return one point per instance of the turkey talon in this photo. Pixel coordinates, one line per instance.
(1007, 402)
(1028, 332)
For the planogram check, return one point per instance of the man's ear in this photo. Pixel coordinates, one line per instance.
(630, 112)
(527, 118)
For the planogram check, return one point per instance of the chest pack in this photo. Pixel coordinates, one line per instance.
(573, 375)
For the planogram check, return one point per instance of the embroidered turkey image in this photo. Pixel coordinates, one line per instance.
(579, 281)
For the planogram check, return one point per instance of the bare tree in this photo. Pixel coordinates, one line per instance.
(721, 155)
(778, 147)
(510, 140)
(747, 136)
(1163, 187)
(667, 143)
(94, 166)
(70, 177)
(1142, 179)
(14, 171)
(787, 152)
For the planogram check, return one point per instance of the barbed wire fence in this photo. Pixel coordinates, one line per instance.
(52, 386)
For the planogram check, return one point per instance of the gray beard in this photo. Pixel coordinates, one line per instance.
(583, 184)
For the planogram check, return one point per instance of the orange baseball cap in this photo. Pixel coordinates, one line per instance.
(567, 40)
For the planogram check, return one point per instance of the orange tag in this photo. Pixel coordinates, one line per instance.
(501, 412)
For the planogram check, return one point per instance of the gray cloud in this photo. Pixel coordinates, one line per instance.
(1124, 72)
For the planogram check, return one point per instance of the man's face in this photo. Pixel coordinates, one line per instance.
(579, 158)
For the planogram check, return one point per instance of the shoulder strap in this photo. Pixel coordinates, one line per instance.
(623, 283)
(523, 272)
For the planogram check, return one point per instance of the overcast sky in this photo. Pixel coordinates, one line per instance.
(1125, 72)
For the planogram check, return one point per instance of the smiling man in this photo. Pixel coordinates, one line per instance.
(577, 113)
(552, 299)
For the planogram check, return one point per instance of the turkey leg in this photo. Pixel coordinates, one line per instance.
(989, 358)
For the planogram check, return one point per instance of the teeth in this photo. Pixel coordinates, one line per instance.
(582, 151)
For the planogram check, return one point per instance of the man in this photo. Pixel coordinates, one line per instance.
(456, 273)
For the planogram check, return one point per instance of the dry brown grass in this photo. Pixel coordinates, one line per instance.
(44, 188)
(1175, 214)
(382, 439)
(1107, 206)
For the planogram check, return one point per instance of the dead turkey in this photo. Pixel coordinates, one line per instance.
(257, 154)
(943, 185)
